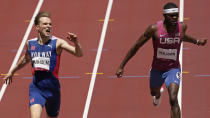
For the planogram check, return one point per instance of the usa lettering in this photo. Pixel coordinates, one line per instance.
(170, 40)
(41, 54)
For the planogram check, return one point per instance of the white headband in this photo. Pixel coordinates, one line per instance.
(171, 10)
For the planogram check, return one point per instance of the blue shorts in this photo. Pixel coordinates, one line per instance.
(51, 100)
(157, 78)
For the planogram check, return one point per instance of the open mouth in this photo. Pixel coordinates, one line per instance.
(48, 30)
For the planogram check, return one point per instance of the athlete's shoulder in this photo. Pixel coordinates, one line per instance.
(59, 41)
(152, 28)
(33, 39)
(54, 38)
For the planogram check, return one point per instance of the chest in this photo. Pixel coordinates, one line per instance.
(169, 39)
(44, 51)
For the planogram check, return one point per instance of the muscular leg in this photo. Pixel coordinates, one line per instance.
(156, 81)
(36, 111)
(52, 107)
(173, 91)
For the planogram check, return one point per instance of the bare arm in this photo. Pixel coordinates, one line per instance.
(190, 39)
(21, 63)
(77, 50)
(150, 31)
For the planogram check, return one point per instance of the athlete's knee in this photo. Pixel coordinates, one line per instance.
(173, 98)
(36, 110)
(173, 92)
(173, 101)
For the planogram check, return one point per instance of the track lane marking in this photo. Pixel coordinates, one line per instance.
(94, 73)
(102, 20)
(181, 19)
(22, 44)
(97, 60)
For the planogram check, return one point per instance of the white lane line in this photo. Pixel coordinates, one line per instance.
(97, 60)
(22, 44)
(181, 18)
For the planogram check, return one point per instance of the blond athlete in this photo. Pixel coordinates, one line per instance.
(44, 53)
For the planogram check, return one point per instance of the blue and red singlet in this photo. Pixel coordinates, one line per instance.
(45, 87)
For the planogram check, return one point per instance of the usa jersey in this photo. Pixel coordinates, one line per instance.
(45, 63)
(166, 48)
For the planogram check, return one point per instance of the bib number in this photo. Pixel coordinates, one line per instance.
(41, 62)
(167, 53)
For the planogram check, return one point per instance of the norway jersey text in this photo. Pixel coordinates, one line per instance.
(41, 60)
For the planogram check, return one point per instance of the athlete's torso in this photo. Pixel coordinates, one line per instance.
(45, 63)
(166, 48)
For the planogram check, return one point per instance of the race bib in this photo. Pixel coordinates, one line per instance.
(41, 62)
(167, 53)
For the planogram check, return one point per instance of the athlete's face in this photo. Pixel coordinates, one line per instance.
(171, 18)
(44, 26)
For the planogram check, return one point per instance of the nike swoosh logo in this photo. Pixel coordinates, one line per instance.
(161, 35)
(49, 46)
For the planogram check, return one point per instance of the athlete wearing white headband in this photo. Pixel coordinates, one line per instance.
(171, 10)
(167, 36)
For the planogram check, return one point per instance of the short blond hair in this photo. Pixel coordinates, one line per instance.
(41, 14)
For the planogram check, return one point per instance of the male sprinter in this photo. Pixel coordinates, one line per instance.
(167, 36)
(44, 52)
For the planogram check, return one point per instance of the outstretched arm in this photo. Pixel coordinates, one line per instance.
(21, 63)
(190, 39)
(139, 43)
(77, 50)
